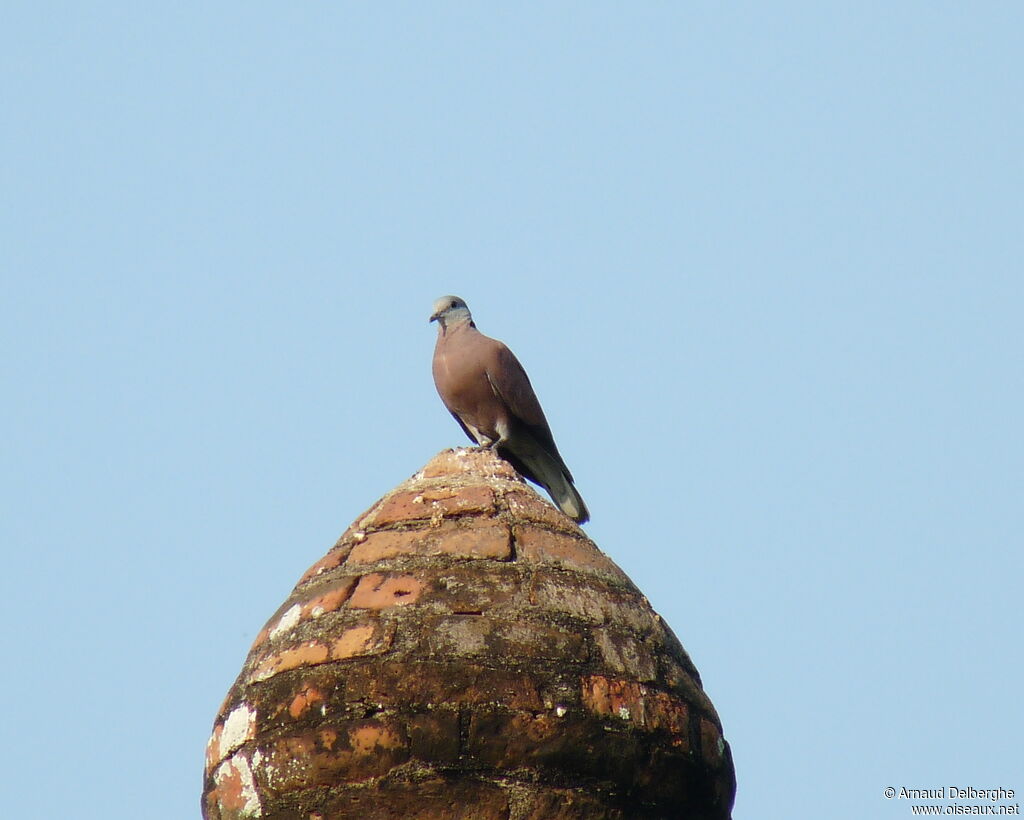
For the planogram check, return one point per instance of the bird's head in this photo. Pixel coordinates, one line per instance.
(450, 310)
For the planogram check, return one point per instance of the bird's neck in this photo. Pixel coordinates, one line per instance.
(454, 327)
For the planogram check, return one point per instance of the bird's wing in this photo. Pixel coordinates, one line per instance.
(511, 384)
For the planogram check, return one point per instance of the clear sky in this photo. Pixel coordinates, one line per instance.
(763, 262)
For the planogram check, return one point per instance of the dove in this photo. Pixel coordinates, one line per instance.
(486, 389)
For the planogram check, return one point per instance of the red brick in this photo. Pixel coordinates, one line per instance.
(477, 542)
(570, 551)
(213, 747)
(461, 542)
(329, 600)
(235, 794)
(309, 653)
(636, 703)
(261, 636)
(525, 505)
(361, 640)
(309, 696)
(333, 559)
(349, 751)
(463, 460)
(379, 591)
(432, 503)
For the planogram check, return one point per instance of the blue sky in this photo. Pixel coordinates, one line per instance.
(761, 261)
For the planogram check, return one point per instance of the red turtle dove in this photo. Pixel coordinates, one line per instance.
(488, 392)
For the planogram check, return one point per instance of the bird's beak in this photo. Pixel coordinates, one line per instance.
(434, 317)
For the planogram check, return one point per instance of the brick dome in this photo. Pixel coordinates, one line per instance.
(465, 651)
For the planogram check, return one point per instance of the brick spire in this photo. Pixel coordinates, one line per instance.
(465, 651)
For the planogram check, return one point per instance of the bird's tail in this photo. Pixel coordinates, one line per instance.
(550, 473)
(569, 501)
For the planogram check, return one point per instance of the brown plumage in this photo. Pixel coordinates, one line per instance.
(488, 392)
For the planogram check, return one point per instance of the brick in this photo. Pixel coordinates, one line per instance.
(460, 542)
(591, 599)
(366, 638)
(363, 639)
(567, 804)
(469, 460)
(332, 560)
(353, 532)
(711, 744)
(662, 711)
(605, 696)
(525, 640)
(235, 794)
(350, 750)
(434, 736)
(505, 739)
(477, 542)
(353, 641)
(308, 697)
(526, 505)
(426, 683)
(676, 679)
(284, 701)
(637, 704)
(379, 591)
(665, 636)
(432, 503)
(624, 653)
(379, 546)
(308, 653)
(330, 600)
(261, 636)
(457, 635)
(238, 728)
(424, 799)
(213, 756)
(324, 598)
(463, 588)
(508, 739)
(573, 552)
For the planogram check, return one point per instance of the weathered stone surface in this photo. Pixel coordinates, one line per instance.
(465, 651)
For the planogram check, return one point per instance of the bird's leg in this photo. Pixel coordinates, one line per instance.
(503, 436)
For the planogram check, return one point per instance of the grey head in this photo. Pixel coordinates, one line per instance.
(450, 310)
